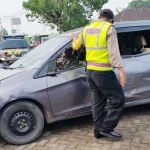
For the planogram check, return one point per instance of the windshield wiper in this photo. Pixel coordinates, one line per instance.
(7, 67)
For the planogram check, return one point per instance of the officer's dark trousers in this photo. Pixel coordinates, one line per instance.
(105, 86)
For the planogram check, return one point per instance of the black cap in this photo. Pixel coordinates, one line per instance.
(107, 13)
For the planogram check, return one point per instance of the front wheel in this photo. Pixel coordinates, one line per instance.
(21, 123)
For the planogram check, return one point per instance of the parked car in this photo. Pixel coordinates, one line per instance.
(35, 90)
(13, 47)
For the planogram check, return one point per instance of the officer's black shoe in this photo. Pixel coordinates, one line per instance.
(97, 134)
(112, 134)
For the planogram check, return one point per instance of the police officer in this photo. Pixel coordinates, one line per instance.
(102, 55)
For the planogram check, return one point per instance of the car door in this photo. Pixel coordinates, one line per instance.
(130, 68)
(69, 92)
(142, 69)
(137, 72)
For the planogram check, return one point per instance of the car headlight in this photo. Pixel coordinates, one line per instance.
(2, 57)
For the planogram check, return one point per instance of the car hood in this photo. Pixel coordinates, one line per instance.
(6, 73)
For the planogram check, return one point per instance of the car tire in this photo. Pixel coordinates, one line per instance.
(21, 123)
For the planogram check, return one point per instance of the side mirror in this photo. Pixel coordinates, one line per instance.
(31, 46)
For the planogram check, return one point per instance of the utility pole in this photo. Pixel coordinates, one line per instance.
(11, 25)
(28, 26)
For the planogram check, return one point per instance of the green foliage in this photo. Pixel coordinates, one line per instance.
(139, 4)
(4, 31)
(65, 14)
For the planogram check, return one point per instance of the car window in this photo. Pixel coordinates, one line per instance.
(13, 44)
(44, 71)
(125, 43)
(70, 59)
(134, 43)
(34, 57)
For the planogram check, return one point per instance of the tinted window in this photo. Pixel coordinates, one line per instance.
(125, 43)
(10, 44)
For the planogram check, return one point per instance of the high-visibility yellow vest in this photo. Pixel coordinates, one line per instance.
(95, 39)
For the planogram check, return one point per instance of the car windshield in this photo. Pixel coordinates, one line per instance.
(13, 44)
(35, 56)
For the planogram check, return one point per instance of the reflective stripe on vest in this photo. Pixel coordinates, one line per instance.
(96, 48)
(98, 64)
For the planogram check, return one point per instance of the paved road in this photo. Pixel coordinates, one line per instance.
(77, 134)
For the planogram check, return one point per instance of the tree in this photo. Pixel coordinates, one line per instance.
(4, 31)
(65, 14)
(139, 4)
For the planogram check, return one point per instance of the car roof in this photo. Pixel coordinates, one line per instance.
(120, 27)
(132, 23)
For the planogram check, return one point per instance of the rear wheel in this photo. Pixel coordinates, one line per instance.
(21, 123)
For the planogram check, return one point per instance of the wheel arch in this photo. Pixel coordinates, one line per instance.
(39, 105)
